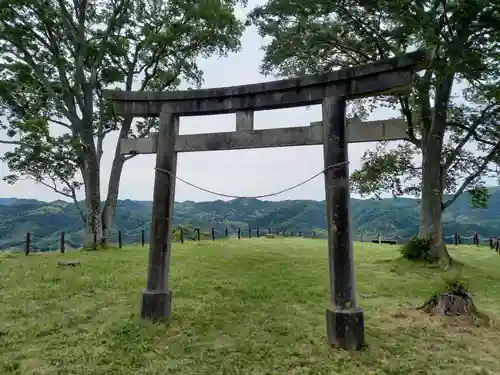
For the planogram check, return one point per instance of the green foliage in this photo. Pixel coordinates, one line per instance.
(456, 134)
(455, 283)
(58, 56)
(387, 171)
(416, 249)
(48, 160)
(479, 197)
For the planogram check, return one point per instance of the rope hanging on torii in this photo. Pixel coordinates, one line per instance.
(255, 196)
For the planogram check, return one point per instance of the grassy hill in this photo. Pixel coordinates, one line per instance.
(240, 307)
(45, 220)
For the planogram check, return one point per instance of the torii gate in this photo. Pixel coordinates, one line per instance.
(344, 319)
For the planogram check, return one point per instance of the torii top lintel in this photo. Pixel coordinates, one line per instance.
(380, 77)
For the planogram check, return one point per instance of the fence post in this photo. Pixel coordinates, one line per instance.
(239, 233)
(226, 232)
(491, 243)
(143, 238)
(182, 235)
(63, 247)
(213, 234)
(314, 234)
(300, 234)
(498, 245)
(119, 239)
(28, 243)
(257, 232)
(198, 234)
(249, 233)
(361, 239)
(291, 234)
(277, 232)
(94, 242)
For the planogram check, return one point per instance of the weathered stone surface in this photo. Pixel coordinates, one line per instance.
(156, 305)
(345, 328)
(157, 298)
(412, 60)
(367, 131)
(380, 77)
(244, 120)
(338, 218)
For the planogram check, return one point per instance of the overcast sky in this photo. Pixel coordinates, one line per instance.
(241, 173)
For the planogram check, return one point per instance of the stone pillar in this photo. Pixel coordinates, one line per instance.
(157, 297)
(344, 319)
(244, 120)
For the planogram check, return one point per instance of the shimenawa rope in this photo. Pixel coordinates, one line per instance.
(256, 196)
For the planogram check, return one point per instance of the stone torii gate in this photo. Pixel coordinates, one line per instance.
(344, 319)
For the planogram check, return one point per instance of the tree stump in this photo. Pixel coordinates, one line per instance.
(449, 304)
(455, 301)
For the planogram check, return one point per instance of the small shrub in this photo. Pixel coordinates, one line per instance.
(417, 248)
(455, 283)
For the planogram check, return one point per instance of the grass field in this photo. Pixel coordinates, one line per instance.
(240, 307)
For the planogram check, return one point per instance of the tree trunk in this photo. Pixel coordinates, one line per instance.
(434, 123)
(93, 225)
(431, 211)
(109, 210)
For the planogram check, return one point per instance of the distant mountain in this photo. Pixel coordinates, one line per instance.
(7, 200)
(45, 220)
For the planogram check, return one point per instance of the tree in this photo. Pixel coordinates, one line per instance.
(58, 56)
(457, 141)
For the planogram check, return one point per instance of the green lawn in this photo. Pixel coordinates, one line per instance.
(240, 307)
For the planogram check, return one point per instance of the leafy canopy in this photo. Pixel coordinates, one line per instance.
(464, 39)
(56, 57)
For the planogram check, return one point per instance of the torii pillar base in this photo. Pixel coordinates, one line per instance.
(156, 305)
(345, 328)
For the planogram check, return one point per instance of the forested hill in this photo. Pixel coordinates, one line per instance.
(45, 220)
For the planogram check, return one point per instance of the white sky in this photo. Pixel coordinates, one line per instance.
(242, 172)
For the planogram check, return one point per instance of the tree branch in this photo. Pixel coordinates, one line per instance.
(486, 160)
(372, 33)
(473, 132)
(67, 89)
(405, 108)
(453, 155)
(80, 211)
(81, 53)
(26, 56)
(69, 24)
(58, 122)
(52, 46)
(4, 142)
(109, 29)
(53, 186)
